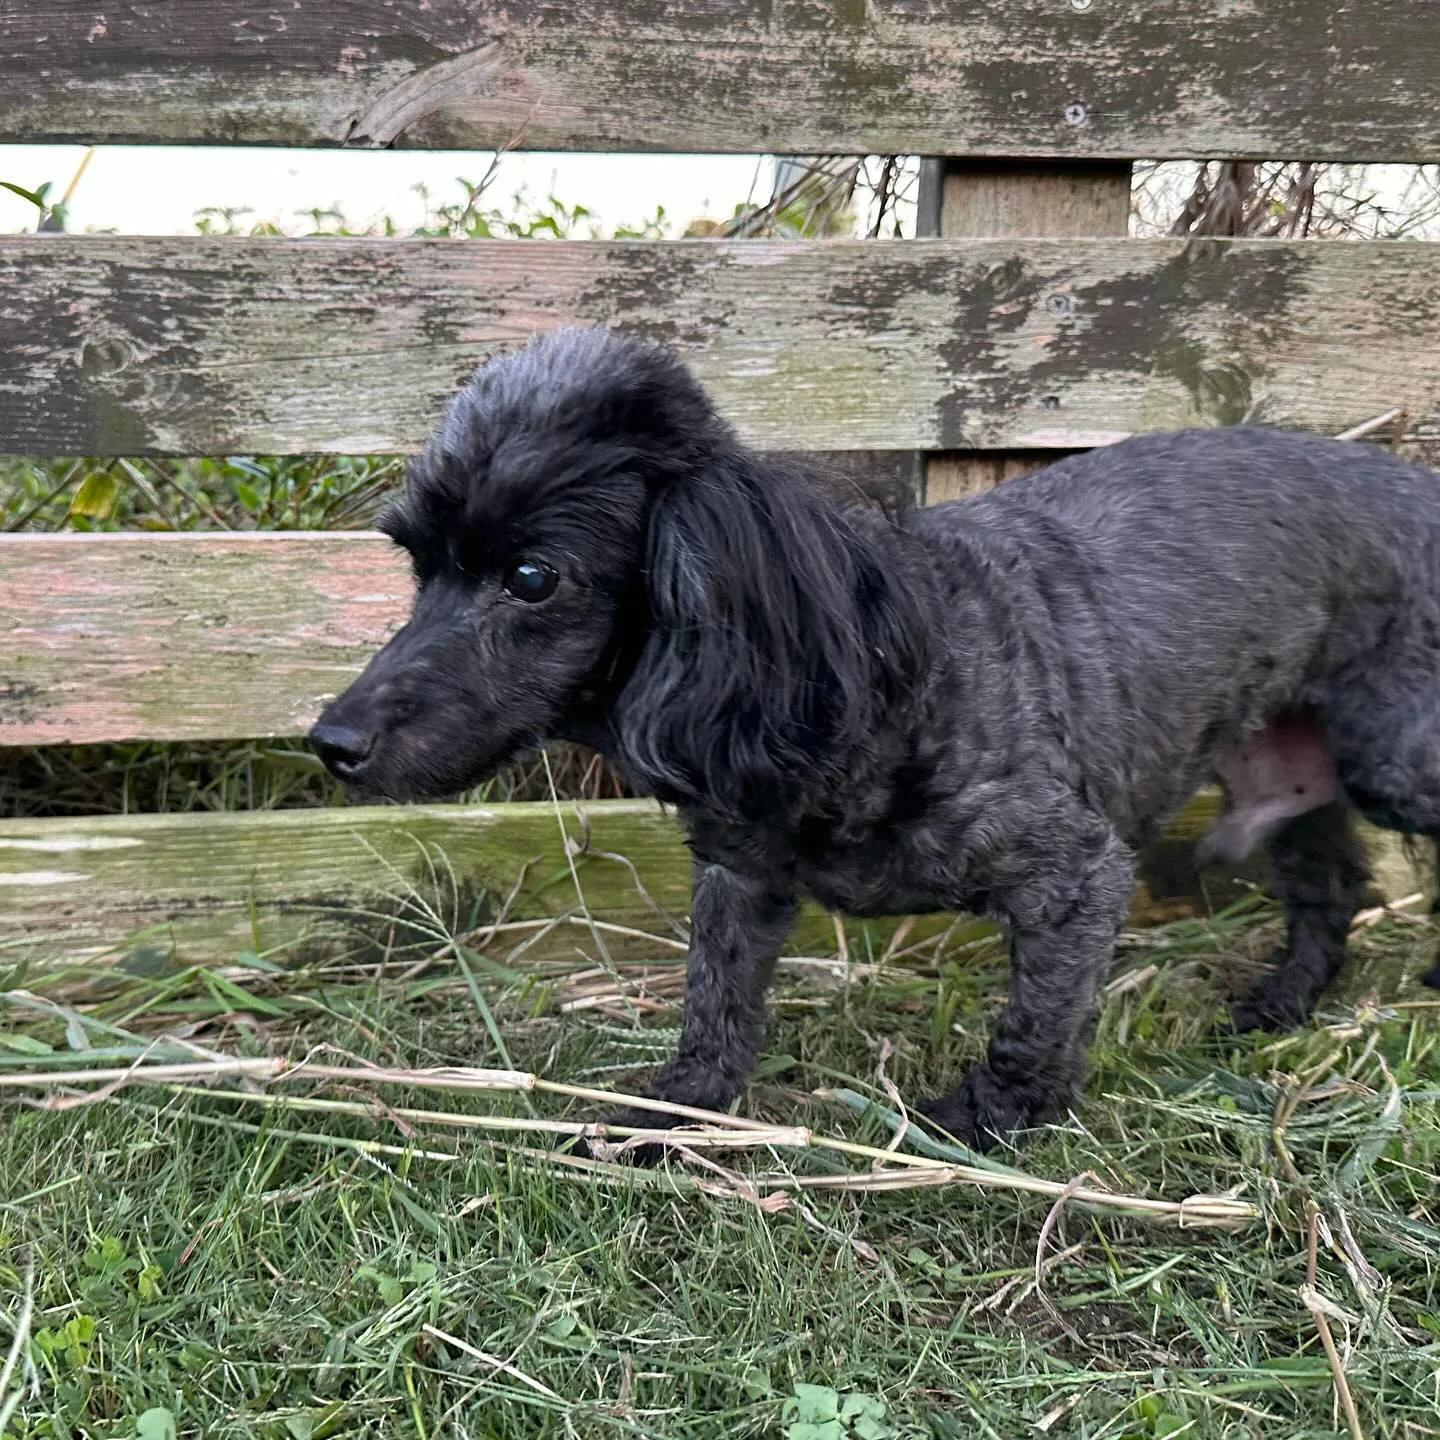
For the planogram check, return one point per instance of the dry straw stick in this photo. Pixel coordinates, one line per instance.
(1369, 427)
(493, 1361)
(899, 1170)
(1318, 1307)
(17, 1362)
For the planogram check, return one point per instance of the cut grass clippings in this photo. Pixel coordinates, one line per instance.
(315, 1201)
(708, 1129)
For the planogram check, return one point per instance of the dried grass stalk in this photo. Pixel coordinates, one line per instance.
(893, 1170)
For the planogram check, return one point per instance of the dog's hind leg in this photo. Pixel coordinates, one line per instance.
(1384, 731)
(1321, 877)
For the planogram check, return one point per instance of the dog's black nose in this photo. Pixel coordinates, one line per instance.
(343, 750)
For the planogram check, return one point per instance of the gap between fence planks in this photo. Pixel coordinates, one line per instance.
(975, 199)
(1355, 81)
(210, 346)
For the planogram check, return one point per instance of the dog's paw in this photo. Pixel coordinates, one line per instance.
(686, 1080)
(625, 1149)
(644, 1154)
(982, 1111)
(1272, 1007)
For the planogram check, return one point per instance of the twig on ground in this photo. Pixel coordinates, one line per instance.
(1285, 1107)
(893, 1095)
(1025, 1281)
(17, 1368)
(1319, 1309)
(1390, 910)
(1051, 1221)
(494, 1361)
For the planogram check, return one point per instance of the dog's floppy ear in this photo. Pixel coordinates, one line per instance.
(777, 638)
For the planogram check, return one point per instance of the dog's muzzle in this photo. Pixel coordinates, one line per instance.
(343, 750)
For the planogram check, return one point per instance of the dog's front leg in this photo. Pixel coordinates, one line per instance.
(738, 923)
(737, 926)
(1063, 905)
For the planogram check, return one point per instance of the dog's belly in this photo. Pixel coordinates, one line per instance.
(1283, 771)
(874, 878)
(867, 902)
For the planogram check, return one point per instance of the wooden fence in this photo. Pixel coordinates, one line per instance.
(1025, 322)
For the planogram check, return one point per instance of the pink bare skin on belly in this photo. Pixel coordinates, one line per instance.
(1282, 771)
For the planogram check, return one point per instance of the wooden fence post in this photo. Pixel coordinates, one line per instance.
(1013, 199)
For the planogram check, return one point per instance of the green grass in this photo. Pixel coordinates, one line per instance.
(203, 1264)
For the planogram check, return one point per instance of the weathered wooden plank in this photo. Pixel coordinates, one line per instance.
(187, 636)
(211, 346)
(205, 887)
(212, 885)
(1356, 80)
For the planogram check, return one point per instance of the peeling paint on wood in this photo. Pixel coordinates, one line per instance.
(1354, 80)
(205, 887)
(187, 636)
(213, 346)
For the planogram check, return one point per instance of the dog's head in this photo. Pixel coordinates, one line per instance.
(597, 557)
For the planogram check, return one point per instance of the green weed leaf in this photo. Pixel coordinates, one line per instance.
(96, 497)
(156, 1424)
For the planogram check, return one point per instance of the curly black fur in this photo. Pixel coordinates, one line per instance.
(982, 706)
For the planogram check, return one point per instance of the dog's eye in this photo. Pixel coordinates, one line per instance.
(532, 580)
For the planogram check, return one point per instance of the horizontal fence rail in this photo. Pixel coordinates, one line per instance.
(215, 884)
(215, 346)
(1355, 80)
(208, 887)
(196, 888)
(187, 636)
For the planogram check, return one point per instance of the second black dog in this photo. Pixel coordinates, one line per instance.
(984, 706)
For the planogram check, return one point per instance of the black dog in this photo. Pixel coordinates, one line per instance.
(981, 707)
